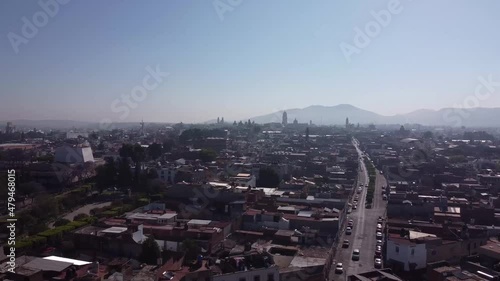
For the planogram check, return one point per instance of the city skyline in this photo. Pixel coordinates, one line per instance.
(200, 62)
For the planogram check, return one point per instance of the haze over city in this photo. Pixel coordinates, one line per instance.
(249, 140)
(247, 59)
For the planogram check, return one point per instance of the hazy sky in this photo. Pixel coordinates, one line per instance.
(252, 58)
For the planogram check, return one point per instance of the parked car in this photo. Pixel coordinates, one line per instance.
(339, 269)
(348, 230)
(355, 255)
(379, 235)
(384, 197)
(354, 207)
(345, 244)
(350, 223)
(380, 243)
(378, 263)
(378, 252)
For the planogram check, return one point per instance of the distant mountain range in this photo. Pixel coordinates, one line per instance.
(336, 115)
(321, 115)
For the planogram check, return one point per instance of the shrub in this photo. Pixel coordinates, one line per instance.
(61, 222)
(80, 217)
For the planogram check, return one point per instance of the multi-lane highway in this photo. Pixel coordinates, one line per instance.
(364, 230)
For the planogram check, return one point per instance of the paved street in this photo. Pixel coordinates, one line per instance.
(363, 233)
(82, 210)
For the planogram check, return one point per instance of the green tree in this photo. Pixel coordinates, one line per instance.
(428, 135)
(80, 217)
(208, 155)
(127, 150)
(106, 175)
(150, 251)
(168, 145)
(155, 151)
(268, 178)
(191, 249)
(61, 221)
(124, 173)
(45, 206)
(29, 189)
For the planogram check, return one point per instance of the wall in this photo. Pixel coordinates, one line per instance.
(249, 275)
(405, 256)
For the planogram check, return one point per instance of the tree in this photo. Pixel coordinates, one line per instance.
(106, 174)
(428, 135)
(268, 178)
(80, 217)
(45, 206)
(29, 189)
(124, 173)
(61, 222)
(208, 155)
(126, 150)
(191, 249)
(155, 151)
(150, 251)
(154, 186)
(168, 145)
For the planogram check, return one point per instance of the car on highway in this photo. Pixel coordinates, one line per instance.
(348, 230)
(339, 268)
(355, 255)
(378, 263)
(380, 243)
(379, 235)
(345, 244)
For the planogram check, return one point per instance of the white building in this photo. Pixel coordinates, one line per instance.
(246, 180)
(74, 154)
(262, 274)
(408, 250)
(166, 174)
(75, 135)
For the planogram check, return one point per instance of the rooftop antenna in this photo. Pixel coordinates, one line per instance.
(142, 126)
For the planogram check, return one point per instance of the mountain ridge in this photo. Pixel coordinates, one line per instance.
(337, 114)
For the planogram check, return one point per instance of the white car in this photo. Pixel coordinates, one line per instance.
(339, 269)
(355, 255)
(378, 263)
(379, 235)
(380, 243)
